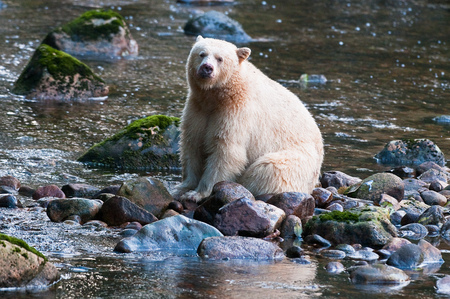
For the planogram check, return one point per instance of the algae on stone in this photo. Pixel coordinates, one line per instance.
(21, 243)
(148, 143)
(53, 74)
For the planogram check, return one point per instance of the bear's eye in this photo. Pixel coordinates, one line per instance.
(202, 54)
(219, 59)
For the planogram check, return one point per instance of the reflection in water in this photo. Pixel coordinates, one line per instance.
(387, 65)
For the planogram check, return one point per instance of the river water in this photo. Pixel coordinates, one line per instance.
(388, 70)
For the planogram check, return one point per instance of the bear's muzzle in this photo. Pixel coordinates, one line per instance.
(206, 70)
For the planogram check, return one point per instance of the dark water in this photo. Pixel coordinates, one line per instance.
(388, 66)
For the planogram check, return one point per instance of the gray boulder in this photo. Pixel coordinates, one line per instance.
(378, 274)
(59, 209)
(375, 185)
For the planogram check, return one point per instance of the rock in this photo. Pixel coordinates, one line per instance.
(99, 33)
(104, 196)
(432, 175)
(425, 166)
(322, 197)
(133, 225)
(223, 193)
(128, 232)
(334, 267)
(294, 203)
(404, 172)
(169, 213)
(22, 266)
(48, 191)
(412, 187)
(335, 207)
(145, 144)
(294, 252)
(173, 233)
(433, 198)
(96, 223)
(438, 186)
(433, 230)
(59, 209)
(8, 201)
(396, 217)
(445, 230)
(317, 241)
(378, 274)
(375, 185)
(348, 249)
(26, 191)
(442, 119)
(55, 75)
(291, 227)
(364, 255)
(413, 231)
(410, 152)
(413, 206)
(409, 256)
(10, 181)
(176, 206)
(369, 226)
(431, 255)
(388, 201)
(110, 190)
(215, 24)
(333, 254)
(118, 210)
(443, 284)
(337, 179)
(148, 193)
(395, 244)
(80, 190)
(247, 217)
(433, 215)
(237, 247)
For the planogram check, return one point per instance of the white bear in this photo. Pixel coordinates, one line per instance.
(239, 125)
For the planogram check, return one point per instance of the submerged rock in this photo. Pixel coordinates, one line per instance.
(99, 33)
(176, 233)
(375, 185)
(148, 143)
(215, 24)
(443, 284)
(22, 266)
(442, 119)
(369, 226)
(237, 247)
(335, 267)
(378, 274)
(410, 152)
(54, 75)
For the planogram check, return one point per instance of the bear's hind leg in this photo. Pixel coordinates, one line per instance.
(284, 171)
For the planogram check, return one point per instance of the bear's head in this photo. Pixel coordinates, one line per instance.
(213, 62)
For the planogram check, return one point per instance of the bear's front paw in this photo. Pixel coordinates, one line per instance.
(192, 196)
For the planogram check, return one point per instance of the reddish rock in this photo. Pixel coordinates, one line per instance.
(48, 191)
(294, 203)
(118, 210)
(10, 181)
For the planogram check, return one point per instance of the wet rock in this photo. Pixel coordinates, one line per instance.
(438, 186)
(294, 203)
(388, 201)
(247, 217)
(334, 267)
(237, 247)
(55, 75)
(60, 209)
(294, 252)
(118, 210)
(169, 213)
(432, 175)
(335, 207)
(445, 230)
(80, 190)
(443, 284)
(176, 206)
(433, 215)
(446, 193)
(410, 152)
(10, 181)
(413, 231)
(128, 232)
(403, 172)
(99, 33)
(413, 206)
(148, 143)
(395, 244)
(337, 179)
(442, 119)
(222, 194)
(396, 217)
(175, 233)
(322, 197)
(409, 256)
(133, 225)
(378, 274)
(22, 266)
(8, 201)
(110, 190)
(333, 254)
(433, 198)
(104, 196)
(425, 166)
(369, 226)
(26, 191)
(412, 187)
(96, 224)
(348, 249)
(363, 255)
(291, 227)
(317, 241)
(431, 255)
(375, 185)
(48, 191)
(264, 197)
(433, 230)
(216, 25)
(148, 193)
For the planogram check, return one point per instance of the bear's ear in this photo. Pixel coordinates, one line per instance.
(243, 53)
(199, 38)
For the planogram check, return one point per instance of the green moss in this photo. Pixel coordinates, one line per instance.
(338, 216)
(25, 255)
(21, 243)
(85, 28)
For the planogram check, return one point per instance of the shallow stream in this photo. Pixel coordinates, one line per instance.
(388, 70)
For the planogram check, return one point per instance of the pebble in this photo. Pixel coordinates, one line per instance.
(364, 255)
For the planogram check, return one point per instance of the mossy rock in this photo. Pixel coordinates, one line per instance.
(375, 185)
(215, 24)
(369, 226)
(54, 75)
(145, 144)
(94, 33)
(410, 152)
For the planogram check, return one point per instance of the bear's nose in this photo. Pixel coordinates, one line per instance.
(206, 70)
